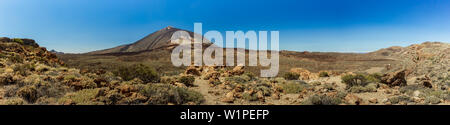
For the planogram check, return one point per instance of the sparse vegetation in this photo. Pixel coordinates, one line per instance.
(372, 87)
(432, 100)
(354, 80)
(295, 86)
(145, 73)
(324, 74)
(373, 78)
(28, 93)
(398, 99)
(291, 76)
(17, 40)
(15, 101)
(322, 100)
(250, 96)
(82, 97)
(187, 80)
(162, 94)
(238, 79)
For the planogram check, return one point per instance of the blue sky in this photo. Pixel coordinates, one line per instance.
(304, 25)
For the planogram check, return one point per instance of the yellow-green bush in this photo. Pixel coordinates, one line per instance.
(238, 79)
(24, 69)
(162, 94)
(250, 96)
(360, 89)
(322, 100)
(187, 80)
(291, 76)
(398, 99)
(374, 78)
(28, 93)
(82, 97)
(145, 73)
(354, 80)
(17, 40)
(324, 74)
(15, 101)
(294, 86)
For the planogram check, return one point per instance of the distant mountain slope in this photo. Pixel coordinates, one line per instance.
(158, 39)
(427, 61)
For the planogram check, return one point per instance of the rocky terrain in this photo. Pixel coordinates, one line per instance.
(413, 75)
(30, 74)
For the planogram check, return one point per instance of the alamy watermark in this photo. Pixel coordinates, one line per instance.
(213, 55)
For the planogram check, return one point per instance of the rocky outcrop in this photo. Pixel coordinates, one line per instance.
(395, 78)
(425, 81)
(304, 74)
(429, 58)
(28, 42)
(20, 50)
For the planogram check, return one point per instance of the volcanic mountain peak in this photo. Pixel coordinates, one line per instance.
(158, 39)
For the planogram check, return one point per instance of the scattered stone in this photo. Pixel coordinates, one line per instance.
(416, 93)
(212, 74)
(276, 96)
(353, 99)
(9, 70)
(396, 92)
(238, 88)
(180, 85)
(260, 96)
(373, 100)
(384, 86)
(69, 102)
(229, 98)
(192, 70)
(287, 98)
(238, 70)
(388, 91)
(228, 87)
(385, 100)
(417, 99)
(126, 89)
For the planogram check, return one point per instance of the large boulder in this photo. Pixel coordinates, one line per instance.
(238, 70)
(304, 74)
(395, 78)
(229, 97)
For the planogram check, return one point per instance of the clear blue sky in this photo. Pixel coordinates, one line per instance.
(304, 25)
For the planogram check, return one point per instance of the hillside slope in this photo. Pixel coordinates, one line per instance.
(429, 60)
